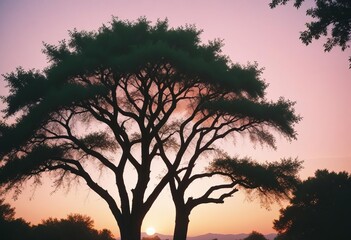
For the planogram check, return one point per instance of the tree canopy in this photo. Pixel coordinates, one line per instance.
(128, 97)
(320, 208)
(332, 19)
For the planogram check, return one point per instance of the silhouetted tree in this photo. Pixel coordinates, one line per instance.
(126, 97)
(333, 18)
(255, 236)
(319, 209)
(12, 228)
(105, 234)
(74, 227)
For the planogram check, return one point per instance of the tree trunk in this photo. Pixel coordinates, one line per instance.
(181, 224)
(130, 230)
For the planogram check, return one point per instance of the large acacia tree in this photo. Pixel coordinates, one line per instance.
(123, 99)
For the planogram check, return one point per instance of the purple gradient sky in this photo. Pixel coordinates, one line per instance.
(319, 82)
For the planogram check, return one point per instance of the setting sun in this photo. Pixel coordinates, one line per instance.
(150, 231)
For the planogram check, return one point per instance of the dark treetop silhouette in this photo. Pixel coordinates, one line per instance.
(12, 228)
(74, 227)
(129, 96)
(333, 16)
(320, 209)
(255, 236)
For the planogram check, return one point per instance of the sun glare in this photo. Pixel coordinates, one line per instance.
(150, 231)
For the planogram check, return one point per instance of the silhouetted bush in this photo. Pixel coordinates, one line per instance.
(11, 228)
(74, 227)
(255, 236)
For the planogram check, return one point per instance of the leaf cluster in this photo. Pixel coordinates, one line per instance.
(270, 180)
(332, 17)
(19, 169)
(279, 115)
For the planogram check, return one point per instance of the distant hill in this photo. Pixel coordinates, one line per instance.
(211, 236)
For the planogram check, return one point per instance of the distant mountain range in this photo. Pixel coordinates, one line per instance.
(211, 236)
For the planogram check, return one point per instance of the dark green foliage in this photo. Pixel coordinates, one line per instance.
(22, 84)
(255, 236)
(278, 114)
(32, 164)
(126, 47)
(270, 180)
(320, 209)
(119, 51)
(35, 115)
(99, 140)
(333, 18)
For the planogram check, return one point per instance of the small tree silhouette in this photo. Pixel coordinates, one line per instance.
(320, 208)
(255, 236)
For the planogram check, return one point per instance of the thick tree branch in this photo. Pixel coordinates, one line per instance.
(192, 203)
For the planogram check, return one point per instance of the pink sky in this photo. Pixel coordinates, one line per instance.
(319, 82)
